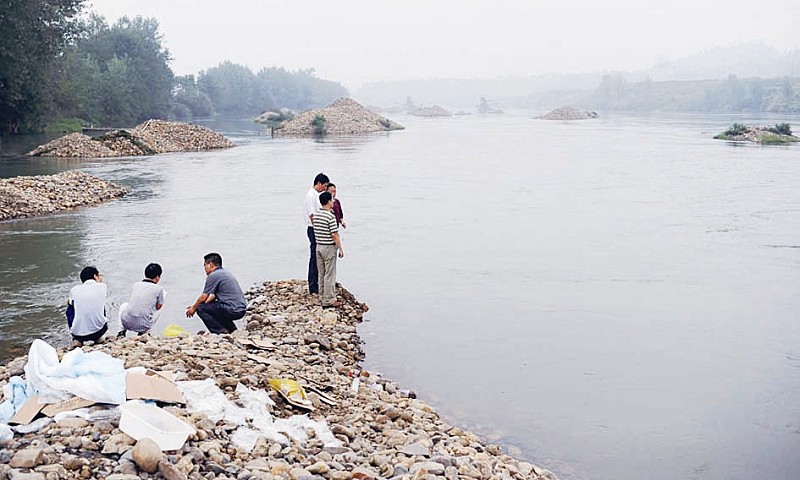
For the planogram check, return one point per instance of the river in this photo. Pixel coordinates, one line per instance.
(612, 299)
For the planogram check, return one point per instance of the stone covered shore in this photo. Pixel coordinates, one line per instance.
(22, 197)
(149, 138)
(382, 431)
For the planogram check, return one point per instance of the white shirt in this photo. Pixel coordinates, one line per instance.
(312, 205)
(89, 299)
(140, 314)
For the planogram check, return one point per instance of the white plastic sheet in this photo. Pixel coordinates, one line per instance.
(95, 376)
(15, 392)
(5, 432)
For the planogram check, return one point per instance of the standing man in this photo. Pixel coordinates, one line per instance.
(222, 300)
(328, 243)
(312, 207)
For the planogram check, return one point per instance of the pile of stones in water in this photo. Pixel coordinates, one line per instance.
(383, 432)
(568, 113)
(149, 138)
(22, 197)
(344, 116)
(431, 111)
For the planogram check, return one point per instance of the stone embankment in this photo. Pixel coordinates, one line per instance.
(567, 113)
(376, 430)
(22, 197)
(149, 138)
(345, 116)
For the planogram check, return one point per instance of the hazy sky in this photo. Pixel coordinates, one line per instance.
(354, 41)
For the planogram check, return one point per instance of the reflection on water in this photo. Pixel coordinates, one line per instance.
(617, 298)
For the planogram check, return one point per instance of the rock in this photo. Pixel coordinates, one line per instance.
(171, 472)
(122, 476)
(147, 454)
(18, 475)
(431, 111)
(27, 458)
(319, 468)
(415, 449)
(567, 113)
(118, 443)
(72, 422)
(430, 467)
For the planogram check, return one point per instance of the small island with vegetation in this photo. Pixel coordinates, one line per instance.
(345, 116)
(779, 134)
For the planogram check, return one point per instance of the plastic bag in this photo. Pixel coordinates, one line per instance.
(5, 432)
(95, 376)
(291, 391)
(174, 330)
(34, 426)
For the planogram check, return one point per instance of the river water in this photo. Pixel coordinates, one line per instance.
(611, 299)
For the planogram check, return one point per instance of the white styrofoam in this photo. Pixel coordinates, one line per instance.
(140, 420)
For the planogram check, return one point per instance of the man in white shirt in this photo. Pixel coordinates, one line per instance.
(89, 300)
(312, 207)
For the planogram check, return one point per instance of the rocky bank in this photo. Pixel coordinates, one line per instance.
(344, 116)
(22, 197)
(149, 138)
(381, 431)
(567, 113)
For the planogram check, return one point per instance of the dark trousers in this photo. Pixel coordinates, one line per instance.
(92, 337)
(218, 318)
(313, 273)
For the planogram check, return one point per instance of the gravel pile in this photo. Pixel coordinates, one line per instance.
(379, 431)
(431, 111)
(345, 116)
(148, 138)
(22, 197)
(567, 113)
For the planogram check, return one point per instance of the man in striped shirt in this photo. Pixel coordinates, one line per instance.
(326, 233)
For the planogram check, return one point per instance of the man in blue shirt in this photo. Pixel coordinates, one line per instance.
(222, 300)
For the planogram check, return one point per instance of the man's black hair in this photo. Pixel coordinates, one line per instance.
(88, 273)
(152, 271)
(321, 178)
(330, 184)
(325, 197)
(214, 259)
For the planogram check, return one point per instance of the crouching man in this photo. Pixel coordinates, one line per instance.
(222, 300)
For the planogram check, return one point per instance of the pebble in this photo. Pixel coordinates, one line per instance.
(147, 455)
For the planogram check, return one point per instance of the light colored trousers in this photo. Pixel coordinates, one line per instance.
(326, 266)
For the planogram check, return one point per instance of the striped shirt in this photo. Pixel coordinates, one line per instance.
(324, 227)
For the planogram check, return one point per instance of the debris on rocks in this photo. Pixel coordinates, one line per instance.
(22, 197)
(374, 431)
(149, 138)
(567, 113)
(345, 116)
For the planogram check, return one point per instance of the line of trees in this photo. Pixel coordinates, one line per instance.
(57, 63)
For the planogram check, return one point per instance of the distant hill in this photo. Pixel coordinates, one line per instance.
(751, 60)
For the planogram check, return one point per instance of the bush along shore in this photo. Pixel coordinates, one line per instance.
(149, 138)
(22, 197)
(357, 425)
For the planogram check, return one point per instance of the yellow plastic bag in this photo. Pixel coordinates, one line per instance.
(291, 391)
(175, 331)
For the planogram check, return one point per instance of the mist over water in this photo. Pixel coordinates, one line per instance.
(616, 297)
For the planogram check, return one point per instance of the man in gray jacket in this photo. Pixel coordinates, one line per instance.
(222, 300)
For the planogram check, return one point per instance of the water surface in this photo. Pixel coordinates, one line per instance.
(617, 298)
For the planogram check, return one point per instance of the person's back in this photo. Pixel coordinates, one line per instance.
(147, 297)
(89, 302)
(226, 289)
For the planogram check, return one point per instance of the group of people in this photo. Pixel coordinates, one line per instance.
(323, 216)
(222, 300)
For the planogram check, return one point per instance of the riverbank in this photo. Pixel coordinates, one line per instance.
(379, 430)
(22, 197)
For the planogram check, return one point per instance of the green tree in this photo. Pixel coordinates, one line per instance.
(32, 33)
(230, 87)
(189, 100)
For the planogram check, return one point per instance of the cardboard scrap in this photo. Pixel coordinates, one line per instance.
(27, 412)
(67, 405)
(152, 386)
